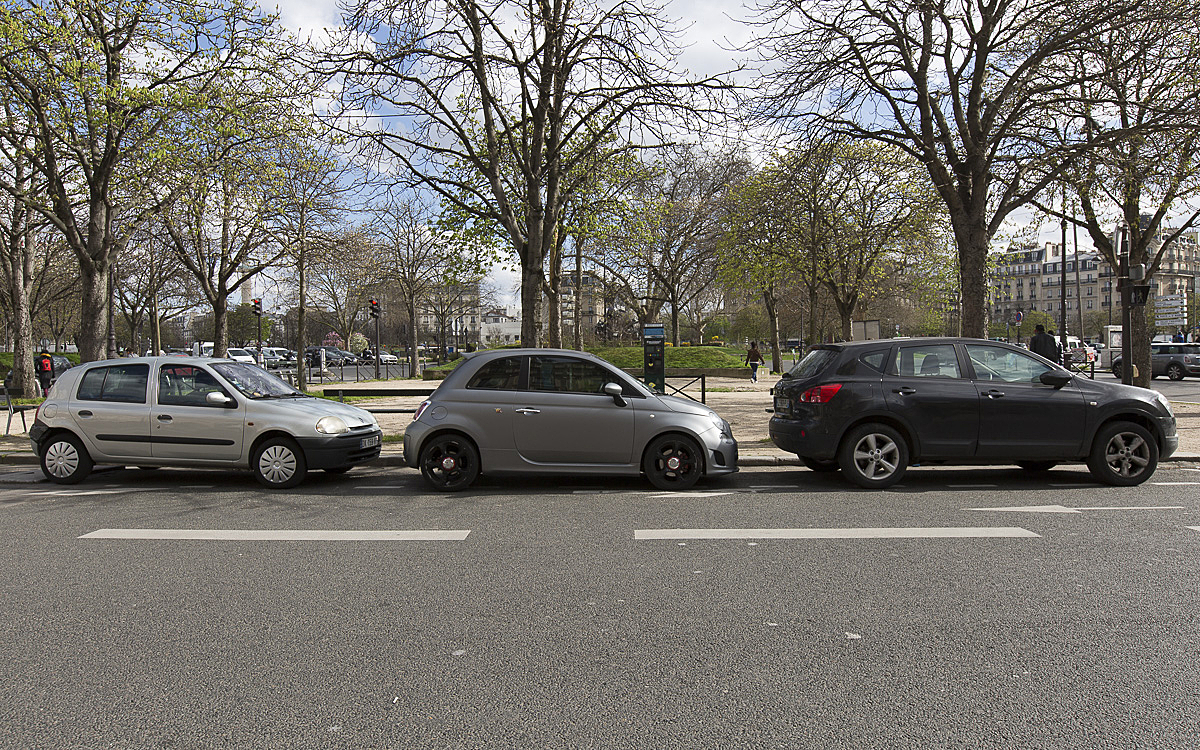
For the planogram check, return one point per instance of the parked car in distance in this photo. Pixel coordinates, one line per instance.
(242, 355)
(1176, 361)
(60, 365)
(873, 408)
(175, 411)
(387, 358)
(554, 411)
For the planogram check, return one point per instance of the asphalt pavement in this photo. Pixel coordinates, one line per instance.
(776, 608)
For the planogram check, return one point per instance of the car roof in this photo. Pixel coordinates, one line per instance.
(168, 360)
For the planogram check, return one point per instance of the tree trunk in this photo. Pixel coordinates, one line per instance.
(771, 304)
(674, 323)
(578, 335)
(301, 322)
(414, 358)
(1141, 345)
(20, 257)
(93, 312)
(554, 308)
(972, 238)
(221, 326)
(531, 303)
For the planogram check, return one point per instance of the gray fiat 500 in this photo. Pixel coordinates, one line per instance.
(183, 411)
(551, 411)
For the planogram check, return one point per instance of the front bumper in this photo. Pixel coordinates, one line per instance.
(336, 451)
(723, 457)
(1170, 441)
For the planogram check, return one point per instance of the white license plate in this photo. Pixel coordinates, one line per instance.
(370, 442)
(781, 404)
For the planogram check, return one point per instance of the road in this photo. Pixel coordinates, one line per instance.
(577, 614)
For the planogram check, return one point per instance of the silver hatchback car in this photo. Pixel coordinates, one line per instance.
(553, 411)
(184, 411)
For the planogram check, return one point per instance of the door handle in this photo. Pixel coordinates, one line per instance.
(994, 393)
(85, 413)
(164, 417)
(905, 391)
(527, 410)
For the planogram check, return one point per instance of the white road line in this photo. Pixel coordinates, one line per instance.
(690, 494)
(283, 535)
(945, 532)
(1173, 484)
(1064, 509)
(77, 493)
(1134, 507)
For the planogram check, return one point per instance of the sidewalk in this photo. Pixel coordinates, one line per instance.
(742, 403)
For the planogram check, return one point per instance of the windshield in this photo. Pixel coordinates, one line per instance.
(255, 382)
(813, 363)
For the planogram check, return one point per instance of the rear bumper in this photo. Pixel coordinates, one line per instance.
(341, 450)
(803, 437)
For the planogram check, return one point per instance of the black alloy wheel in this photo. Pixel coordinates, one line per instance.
(819, 466)
(1175, 371)
(1116, 370)
(873, 456)
(1124, 454)
(1037, 465)
(449, 463)
(673, 462)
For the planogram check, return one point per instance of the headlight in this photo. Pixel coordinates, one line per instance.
(1162, 400)
(719, 423)
(331, 426)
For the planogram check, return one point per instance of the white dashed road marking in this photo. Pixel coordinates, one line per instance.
(281, 535)
(944, 532)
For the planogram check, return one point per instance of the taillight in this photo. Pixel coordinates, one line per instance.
(821, 394)
(421, 410)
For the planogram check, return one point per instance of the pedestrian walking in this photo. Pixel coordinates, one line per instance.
(754, 358)
(44, 367)
(1044, 344)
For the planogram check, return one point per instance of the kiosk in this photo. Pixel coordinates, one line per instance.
(654, 361)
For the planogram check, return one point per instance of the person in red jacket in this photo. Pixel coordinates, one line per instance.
(43, 365)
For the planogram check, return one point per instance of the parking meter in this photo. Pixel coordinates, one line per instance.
(654, 363)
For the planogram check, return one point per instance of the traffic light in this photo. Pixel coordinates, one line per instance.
(257, 306)
(374, 307)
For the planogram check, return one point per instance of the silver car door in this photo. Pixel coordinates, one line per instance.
(186, 426)
(110, 409)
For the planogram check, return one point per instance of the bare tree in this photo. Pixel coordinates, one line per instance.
(500, 99)
(973, 89)
(345, 272)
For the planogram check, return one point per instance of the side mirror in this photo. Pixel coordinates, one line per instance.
(1055, 378)
(615, 390)
(786, 375)
(216, 398)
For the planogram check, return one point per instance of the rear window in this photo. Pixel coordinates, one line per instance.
(813, 363)
(498, 375)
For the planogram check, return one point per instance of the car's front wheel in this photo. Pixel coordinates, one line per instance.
(1124, 454)
(65, 460)
(819, 466)
(279, 463)
(449, 463)
(1116, 370)
(874, 456)
(673, 462)
(1175, 372)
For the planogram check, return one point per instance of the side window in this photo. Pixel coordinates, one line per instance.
(184, 385)
(498, 375)
(995, 363)
(876, 360)
(121, 383)
(567, 375)
(931, 361)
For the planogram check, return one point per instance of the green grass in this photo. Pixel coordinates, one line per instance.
(681, 356)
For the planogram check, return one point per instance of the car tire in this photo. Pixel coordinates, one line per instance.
(1175, 371)
(1123, 454)
(819, 466)
(873, 456)
(65, 460)
(279, 463)
(1116, 371)
(449, 463)
(1037, 465)
(673, 462)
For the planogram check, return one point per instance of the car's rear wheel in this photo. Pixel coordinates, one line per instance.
(817, 465)
(65, 460)
(1037, 465)
(1124, 454)
(673, 462)
(1116, 370)
(449, 463)
(873, 456)
(1175, 371)
(279, 463)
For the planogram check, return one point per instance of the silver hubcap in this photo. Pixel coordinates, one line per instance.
(448, 463)
(277, 464)
(1127, 454)
(876, 456)
(62, 459)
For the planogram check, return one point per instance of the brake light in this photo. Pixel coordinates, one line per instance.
(420, 410)
(822, 394)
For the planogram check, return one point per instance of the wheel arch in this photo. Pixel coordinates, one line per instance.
(268, 435)
(1138, 418)
(681, 433)
(447, 431)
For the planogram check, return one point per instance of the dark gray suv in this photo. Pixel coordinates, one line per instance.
(1176, 361)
